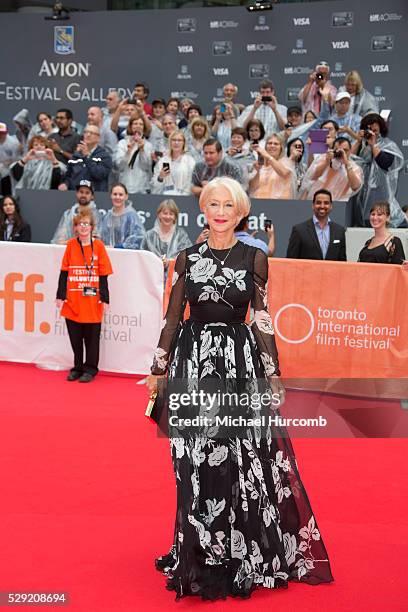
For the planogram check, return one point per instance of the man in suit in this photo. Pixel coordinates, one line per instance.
(318, 237)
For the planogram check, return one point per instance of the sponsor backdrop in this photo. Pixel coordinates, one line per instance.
(194, 52)
(30, 319)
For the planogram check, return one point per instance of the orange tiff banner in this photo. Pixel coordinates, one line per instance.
(337, 319)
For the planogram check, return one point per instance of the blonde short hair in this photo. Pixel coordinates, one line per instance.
(200, 121)
(353, 75)
(171, 205)
(236, 191)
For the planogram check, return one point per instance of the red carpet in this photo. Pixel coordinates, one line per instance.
(87, 501)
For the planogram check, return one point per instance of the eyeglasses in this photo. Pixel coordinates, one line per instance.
(91, 132)
(84, 224)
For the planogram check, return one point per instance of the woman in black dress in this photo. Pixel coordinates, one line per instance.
(383, 247)
(12, 225)
(243, 519)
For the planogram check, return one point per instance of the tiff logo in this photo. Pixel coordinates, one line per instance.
(28, 295)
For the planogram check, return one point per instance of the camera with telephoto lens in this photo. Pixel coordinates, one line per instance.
(319, 76)
(338, 154)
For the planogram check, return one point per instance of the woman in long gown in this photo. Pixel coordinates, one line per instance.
(243, 519)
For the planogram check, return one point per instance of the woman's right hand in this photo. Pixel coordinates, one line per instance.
(164, 173)
(151, 383)
(59, 303)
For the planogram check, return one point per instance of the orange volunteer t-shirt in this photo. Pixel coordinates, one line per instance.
(77, 307)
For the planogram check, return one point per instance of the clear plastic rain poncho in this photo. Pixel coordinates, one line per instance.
(334, 178)
(124, 230)
(379, 184)
(65, 229)
(38, 174)
(153, 243)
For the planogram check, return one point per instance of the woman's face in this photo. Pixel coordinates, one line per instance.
(177, 144)
(274, 147)
(137, 126)
(166, 217)
(184, 106)
(172, 107)
(309, 117)
(351, 86)
(9, 207)
(237, 141)
(38, 146)
(158, 110)
(378, 218)
(84, 228)
(375, 127)
(198, 131)
(118, 197)
(192, 114)
(254, 132)
(222, 212)
(45, 123)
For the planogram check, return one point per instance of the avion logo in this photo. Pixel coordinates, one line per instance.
(10, 295)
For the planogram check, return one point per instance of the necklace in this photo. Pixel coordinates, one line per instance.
(222, 261)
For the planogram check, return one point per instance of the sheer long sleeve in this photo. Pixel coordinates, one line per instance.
(173, 318)
(261, 324)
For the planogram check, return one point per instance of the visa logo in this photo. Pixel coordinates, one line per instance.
(185, 49)
(340, 44)
(220, 71)
(301, 21)
(380, 68)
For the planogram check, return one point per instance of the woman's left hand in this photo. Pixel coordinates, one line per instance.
(278, 391)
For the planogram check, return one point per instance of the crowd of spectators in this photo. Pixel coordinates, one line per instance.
(133, 146)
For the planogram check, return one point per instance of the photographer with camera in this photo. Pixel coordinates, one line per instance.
(222, 123)
(39, 168)
(334, 171)
(318, 86)
(266, 109)
(381, 160)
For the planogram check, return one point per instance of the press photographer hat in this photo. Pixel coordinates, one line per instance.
(341, 95)
(84, 183)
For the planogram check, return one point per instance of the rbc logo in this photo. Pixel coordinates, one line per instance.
(64, 40)
(28, 295)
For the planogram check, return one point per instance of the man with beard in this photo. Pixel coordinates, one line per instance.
(85, 202)
(318, 237)
(65, 141)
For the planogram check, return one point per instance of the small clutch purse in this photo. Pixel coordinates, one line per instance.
(150, 405)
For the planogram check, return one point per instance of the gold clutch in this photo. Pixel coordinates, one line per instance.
(150, 404)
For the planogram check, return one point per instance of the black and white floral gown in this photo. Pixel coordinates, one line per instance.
(243, 518)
